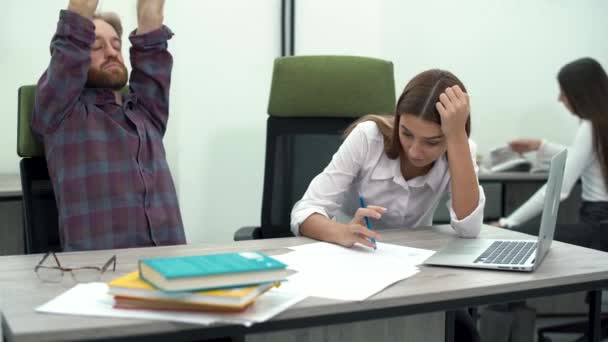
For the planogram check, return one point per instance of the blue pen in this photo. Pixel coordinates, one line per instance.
(369, 226)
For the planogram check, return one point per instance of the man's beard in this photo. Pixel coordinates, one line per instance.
(113, 78)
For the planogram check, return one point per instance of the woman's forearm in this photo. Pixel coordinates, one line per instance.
(319, 227)
(465, 186)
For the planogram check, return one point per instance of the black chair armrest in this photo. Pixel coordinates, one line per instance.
(248, 233)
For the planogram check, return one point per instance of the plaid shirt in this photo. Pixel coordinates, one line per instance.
(107, 161)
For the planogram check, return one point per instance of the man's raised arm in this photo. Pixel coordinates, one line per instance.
(61, 84)
(85, 8)
(149, 15)
(151, 62)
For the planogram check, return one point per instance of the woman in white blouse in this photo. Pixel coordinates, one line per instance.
(584, 92)
(401, 166)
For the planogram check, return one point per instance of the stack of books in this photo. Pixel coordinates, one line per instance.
(228, 282)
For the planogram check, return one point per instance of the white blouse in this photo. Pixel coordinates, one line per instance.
(360, 167)
(582, 163)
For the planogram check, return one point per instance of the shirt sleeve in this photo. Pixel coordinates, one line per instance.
(151, 74)
(61, 84)
(580, 155)
(470, 226)
(545, 152)
(326, 191)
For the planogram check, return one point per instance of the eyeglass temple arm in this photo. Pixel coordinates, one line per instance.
(56, 259)
(46, 256)
(112, 261)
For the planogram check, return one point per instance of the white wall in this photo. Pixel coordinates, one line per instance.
(223, 53)
(507, 53)
(223, 67)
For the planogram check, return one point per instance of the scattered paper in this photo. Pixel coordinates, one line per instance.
(386, 252)
(92, 299)
(354, 274)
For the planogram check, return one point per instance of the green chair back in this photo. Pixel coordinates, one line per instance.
(312, 100)
(331, 86)
(27, 144)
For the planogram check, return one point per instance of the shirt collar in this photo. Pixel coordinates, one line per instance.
(435, 176)
(386, 168)
(98, 96)
(390, 168)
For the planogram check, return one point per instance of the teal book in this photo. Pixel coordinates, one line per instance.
(212, 271)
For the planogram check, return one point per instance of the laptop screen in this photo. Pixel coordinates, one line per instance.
(552, 198)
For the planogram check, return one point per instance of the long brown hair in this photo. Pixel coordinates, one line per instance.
(418, 98)
(585, 85)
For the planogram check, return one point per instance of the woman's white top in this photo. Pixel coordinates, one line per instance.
(582, 163)
(360, 167)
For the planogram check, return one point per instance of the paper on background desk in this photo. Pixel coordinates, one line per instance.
(92, 299)
(331, 271)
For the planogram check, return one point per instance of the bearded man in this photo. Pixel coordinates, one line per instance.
(104, 146)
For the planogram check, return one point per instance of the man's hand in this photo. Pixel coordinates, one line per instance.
(149, 15)
(85, 8)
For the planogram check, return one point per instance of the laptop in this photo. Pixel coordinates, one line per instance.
(511, 255)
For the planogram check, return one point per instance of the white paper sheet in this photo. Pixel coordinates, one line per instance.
(331, 271)
(92, 299)
(408, 256)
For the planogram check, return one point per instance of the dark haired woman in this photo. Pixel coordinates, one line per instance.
(584, 92)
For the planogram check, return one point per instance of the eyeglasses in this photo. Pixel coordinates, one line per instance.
(85, 274)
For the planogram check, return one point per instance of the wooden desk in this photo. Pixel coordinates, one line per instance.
(11, 222)
(566, 268)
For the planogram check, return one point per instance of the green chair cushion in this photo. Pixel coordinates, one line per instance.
(335, 86)
(27, 144)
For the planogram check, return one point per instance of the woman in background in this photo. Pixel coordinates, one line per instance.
(584, 92)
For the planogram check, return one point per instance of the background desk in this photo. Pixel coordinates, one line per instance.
(11, 219)
(506, 191)
(566, 268)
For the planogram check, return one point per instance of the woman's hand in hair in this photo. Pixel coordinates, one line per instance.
(525, 145)
(454, 109)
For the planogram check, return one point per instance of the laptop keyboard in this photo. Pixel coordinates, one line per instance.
(507, 252)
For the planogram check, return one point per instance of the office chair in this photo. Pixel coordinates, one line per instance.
(41, 220)
(312, 100)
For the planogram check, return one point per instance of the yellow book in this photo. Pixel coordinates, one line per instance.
(132, 286)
